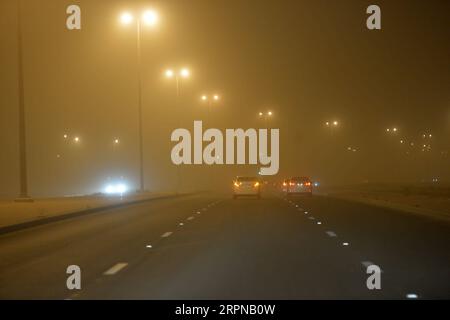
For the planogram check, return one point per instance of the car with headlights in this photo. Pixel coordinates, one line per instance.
(246, 186)
(297, 186)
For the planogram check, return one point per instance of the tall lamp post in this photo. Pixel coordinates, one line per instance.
(210, 100)
(265, 116)
(148, 18)
(23, 195)
(178, 76)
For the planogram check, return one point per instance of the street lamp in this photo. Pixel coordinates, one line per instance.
(23, 194)
(213, 99)
(183, 73)
(148, 18)
(265, 116)
(333, 123)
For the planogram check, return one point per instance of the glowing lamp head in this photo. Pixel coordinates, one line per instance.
(184, 73)
(126, 18)
(150, 17)
(169, 73)
(216, 97)
(204, 98)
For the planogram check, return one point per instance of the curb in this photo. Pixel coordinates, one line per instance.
(75, 214)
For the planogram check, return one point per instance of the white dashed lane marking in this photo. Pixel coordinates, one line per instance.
(331, 234)
(116, 268)
(190, 218)
(167, 234)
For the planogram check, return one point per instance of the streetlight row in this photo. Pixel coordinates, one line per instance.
(77, 139)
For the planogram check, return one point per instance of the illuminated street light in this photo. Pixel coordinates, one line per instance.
(184, 73)
(149, 18)
(76, 139)
(265, 116)
(392, 130)
(65, 136)
(126, 18)
(169, 73)
(116, 141)
(333, 123)
(215, 99)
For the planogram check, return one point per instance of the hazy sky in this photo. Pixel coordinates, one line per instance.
(307, 61)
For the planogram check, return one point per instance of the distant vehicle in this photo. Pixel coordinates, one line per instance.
(246, 186)
(284, 186)
(297, 186)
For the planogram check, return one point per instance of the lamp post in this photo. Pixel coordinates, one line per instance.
(265, 116)
(23, 195)
(149, 18)
(183, 73)
(210, 100)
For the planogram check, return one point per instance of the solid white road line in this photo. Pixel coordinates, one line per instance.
(167, 234)
(114, 269)
(149, 246)
(345, 243)
(331, 234)
(412, 296)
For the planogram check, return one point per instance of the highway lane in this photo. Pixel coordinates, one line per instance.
(213, 247)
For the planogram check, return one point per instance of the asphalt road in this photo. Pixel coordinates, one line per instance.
(212, 247)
